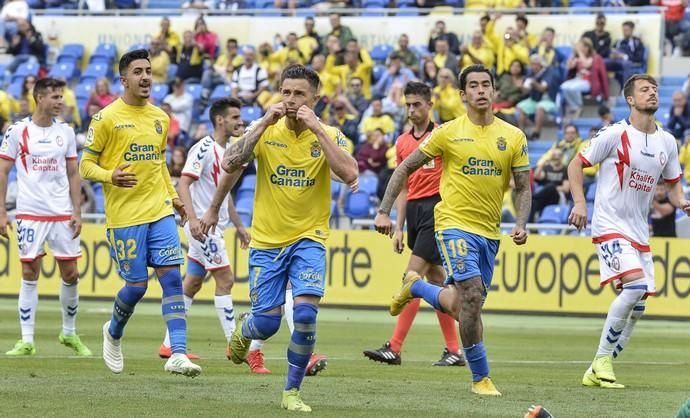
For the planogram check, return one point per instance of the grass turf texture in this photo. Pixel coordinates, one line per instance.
(534, 360)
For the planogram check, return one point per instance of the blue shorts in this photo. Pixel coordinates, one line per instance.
(135, 248)
(466, 255)
(302, 264)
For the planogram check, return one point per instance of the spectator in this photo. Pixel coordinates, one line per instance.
(542, 87)
(335, 55)
(207, 40)
(443, 58)
(355, 101)
(310, 42)
(26, 46)
(663, 213)
(407, 56)
(438, 33)
(510, 87)
(477, 52)
(8, 107)
(627, 54)
(679, 116)
(600, 37)
(12, 12)
(684, 156)
(221, 71)
(174, 129)
(88, 198)
(673, 16)
(486, 26)
(330, 84)
(344, 120)
(394, 106)
(190, 67)
(343, 33)
(266, 60)
(447, 102)
(160, 61)
(376, 120)
(170, 40)
(371, 156)
(605, 116)
(70, 110)
(250, 80)
(584, 68)
(101, 96)
(181, 104)
(26, 103)
(546, 48)
(430, 72)
(353, 67)
(570, 146)
(552, 176)
(529, 40)
(290, 53)
(509, 50)
(179, 157)
(291, 4)
(396, 73)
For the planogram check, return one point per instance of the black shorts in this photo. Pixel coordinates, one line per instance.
(420, 229)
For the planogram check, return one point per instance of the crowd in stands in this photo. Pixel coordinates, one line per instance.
(361, 94)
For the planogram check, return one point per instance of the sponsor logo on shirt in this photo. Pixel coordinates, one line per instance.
(462, 140)
(89, 137)
(124, 126)
(138, 152)
(275, 144)
(45, 164)
(291, 177)
(641, 181)
(480, 167)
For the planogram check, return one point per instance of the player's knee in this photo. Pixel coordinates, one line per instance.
(305, 313)
(262, 326)
(191, 287)
(635, 290)
(70, 276)
(224, 282)
(30, 271)
(171, 282)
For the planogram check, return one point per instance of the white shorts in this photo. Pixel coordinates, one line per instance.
(618, 258)
(32, 235)
(211, 254)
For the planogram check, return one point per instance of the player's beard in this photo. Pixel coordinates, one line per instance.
(648, 109)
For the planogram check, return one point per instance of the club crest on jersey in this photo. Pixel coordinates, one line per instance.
(501, 143)
(662, 158)
(196, 165)
(59, 141)
(315, 149)
(159, 127)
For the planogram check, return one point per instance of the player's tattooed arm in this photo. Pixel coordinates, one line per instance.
(523, 197)
(240, 153)
(399, 177)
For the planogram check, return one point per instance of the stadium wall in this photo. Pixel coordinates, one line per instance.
(554, 274)
(370, 31)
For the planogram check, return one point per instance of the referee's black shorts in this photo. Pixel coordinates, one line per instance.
(420, 229)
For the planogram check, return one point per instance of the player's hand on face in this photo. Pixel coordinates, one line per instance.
(274, 113)
(75, 223)
(209, 221)
(519, 235)
(122, 178)
(245, 237)
(308, 117)
(179, 207)
(383, 224)
(5, 226)
(578, 216)
(398, 244)
(196, 230)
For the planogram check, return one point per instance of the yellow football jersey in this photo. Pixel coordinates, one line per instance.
(293, 187)
(136, 135)
(477, 164)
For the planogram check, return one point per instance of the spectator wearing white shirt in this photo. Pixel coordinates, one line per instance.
(250, 80)
(181, 104)
(12, 11)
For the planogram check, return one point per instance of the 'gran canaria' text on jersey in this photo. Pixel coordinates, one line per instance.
(291, 177)
(137, 152)
(479, 167)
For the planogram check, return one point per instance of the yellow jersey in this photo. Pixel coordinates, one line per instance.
(136, 135)
(477, 165)
(293, 187)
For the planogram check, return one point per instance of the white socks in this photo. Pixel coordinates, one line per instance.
(288, 309)
(187, 304)
(28, 302)
(226, 314)
(619, 312)
(69, 298)
(636, 314)
(256, 345)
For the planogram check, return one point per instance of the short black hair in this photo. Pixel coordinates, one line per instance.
(418, 88)
(570, 125)
(220, 106)
(523, 19)
(629, 23)
(550, 29)
(484, 17)
(300, 72)
(475, 68)
(129, 57)
(603, 110)
(232, 41)
(42, 85)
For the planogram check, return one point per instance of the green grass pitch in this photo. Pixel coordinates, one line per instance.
(533, 359)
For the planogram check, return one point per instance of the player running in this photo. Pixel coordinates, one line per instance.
(44, 152)
(296, 154)
(479, 153)
(125, 150)
(633, 154)
(200, 177)
(416, 205)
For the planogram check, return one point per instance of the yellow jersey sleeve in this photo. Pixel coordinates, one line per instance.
(520, 153)
(433, 145)
(97, 138)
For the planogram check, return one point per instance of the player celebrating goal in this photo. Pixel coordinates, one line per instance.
(296, 154)
(125, 150)
(479, 152)
(633, 154)
(200, 177)
(416, 205)
(48, 209)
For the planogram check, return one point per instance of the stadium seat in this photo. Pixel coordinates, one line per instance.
(64, 70)
(25, 69)
(247, 188)
(377, 72)
(220, 91)
(15, 89)
(368, 184)
(83, 91)
(667, 91)
(158, 92)
(380, 53)
(408, 11)
(420, 50)
(104, 50)
(93, 72)
(172, 71)
(117, 88)
(138, 46)
(71, 52)
(590, 211)
(552, 214)
(205, 116)
(194, 90)
(244, 206)
(99, 197)
(673, 80)
(591, 192)
(250, 113)
(335, 189)
(358, 205)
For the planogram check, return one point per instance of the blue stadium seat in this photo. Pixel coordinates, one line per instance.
(246, 219)
(158, 92)
(104, 50)
(15, 89)
(590, 211)
(374, 4)
(12, 177)
(220, 91)
(164, 4)
(368, 184)
(420, 50)
(248, 182)
(380, 53)
(591, 192)
(64, 70)
(93, 72)
(263, 4)
(138, 46)
(673, 80)
(406, 3)
(667, 91)
(205, 116)
(244, 206)
(377, 72)
(554, 214)
(71, 52)
(250, 113)
(247, 189)
(117, 88)
(27, 68)
(83, 91)
(194, 90)
(100, 198)
(172, 71)
(358, 205)
(335, 189)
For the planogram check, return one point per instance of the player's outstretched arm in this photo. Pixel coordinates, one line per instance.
(210, 218)
(523, 200)
(5, 167)
(75, 195)
(401, 203)
(383, 222)
(578, 216)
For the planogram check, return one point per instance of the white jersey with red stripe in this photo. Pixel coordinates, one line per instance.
(40, 156)
(631, 164)
(203, 165)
